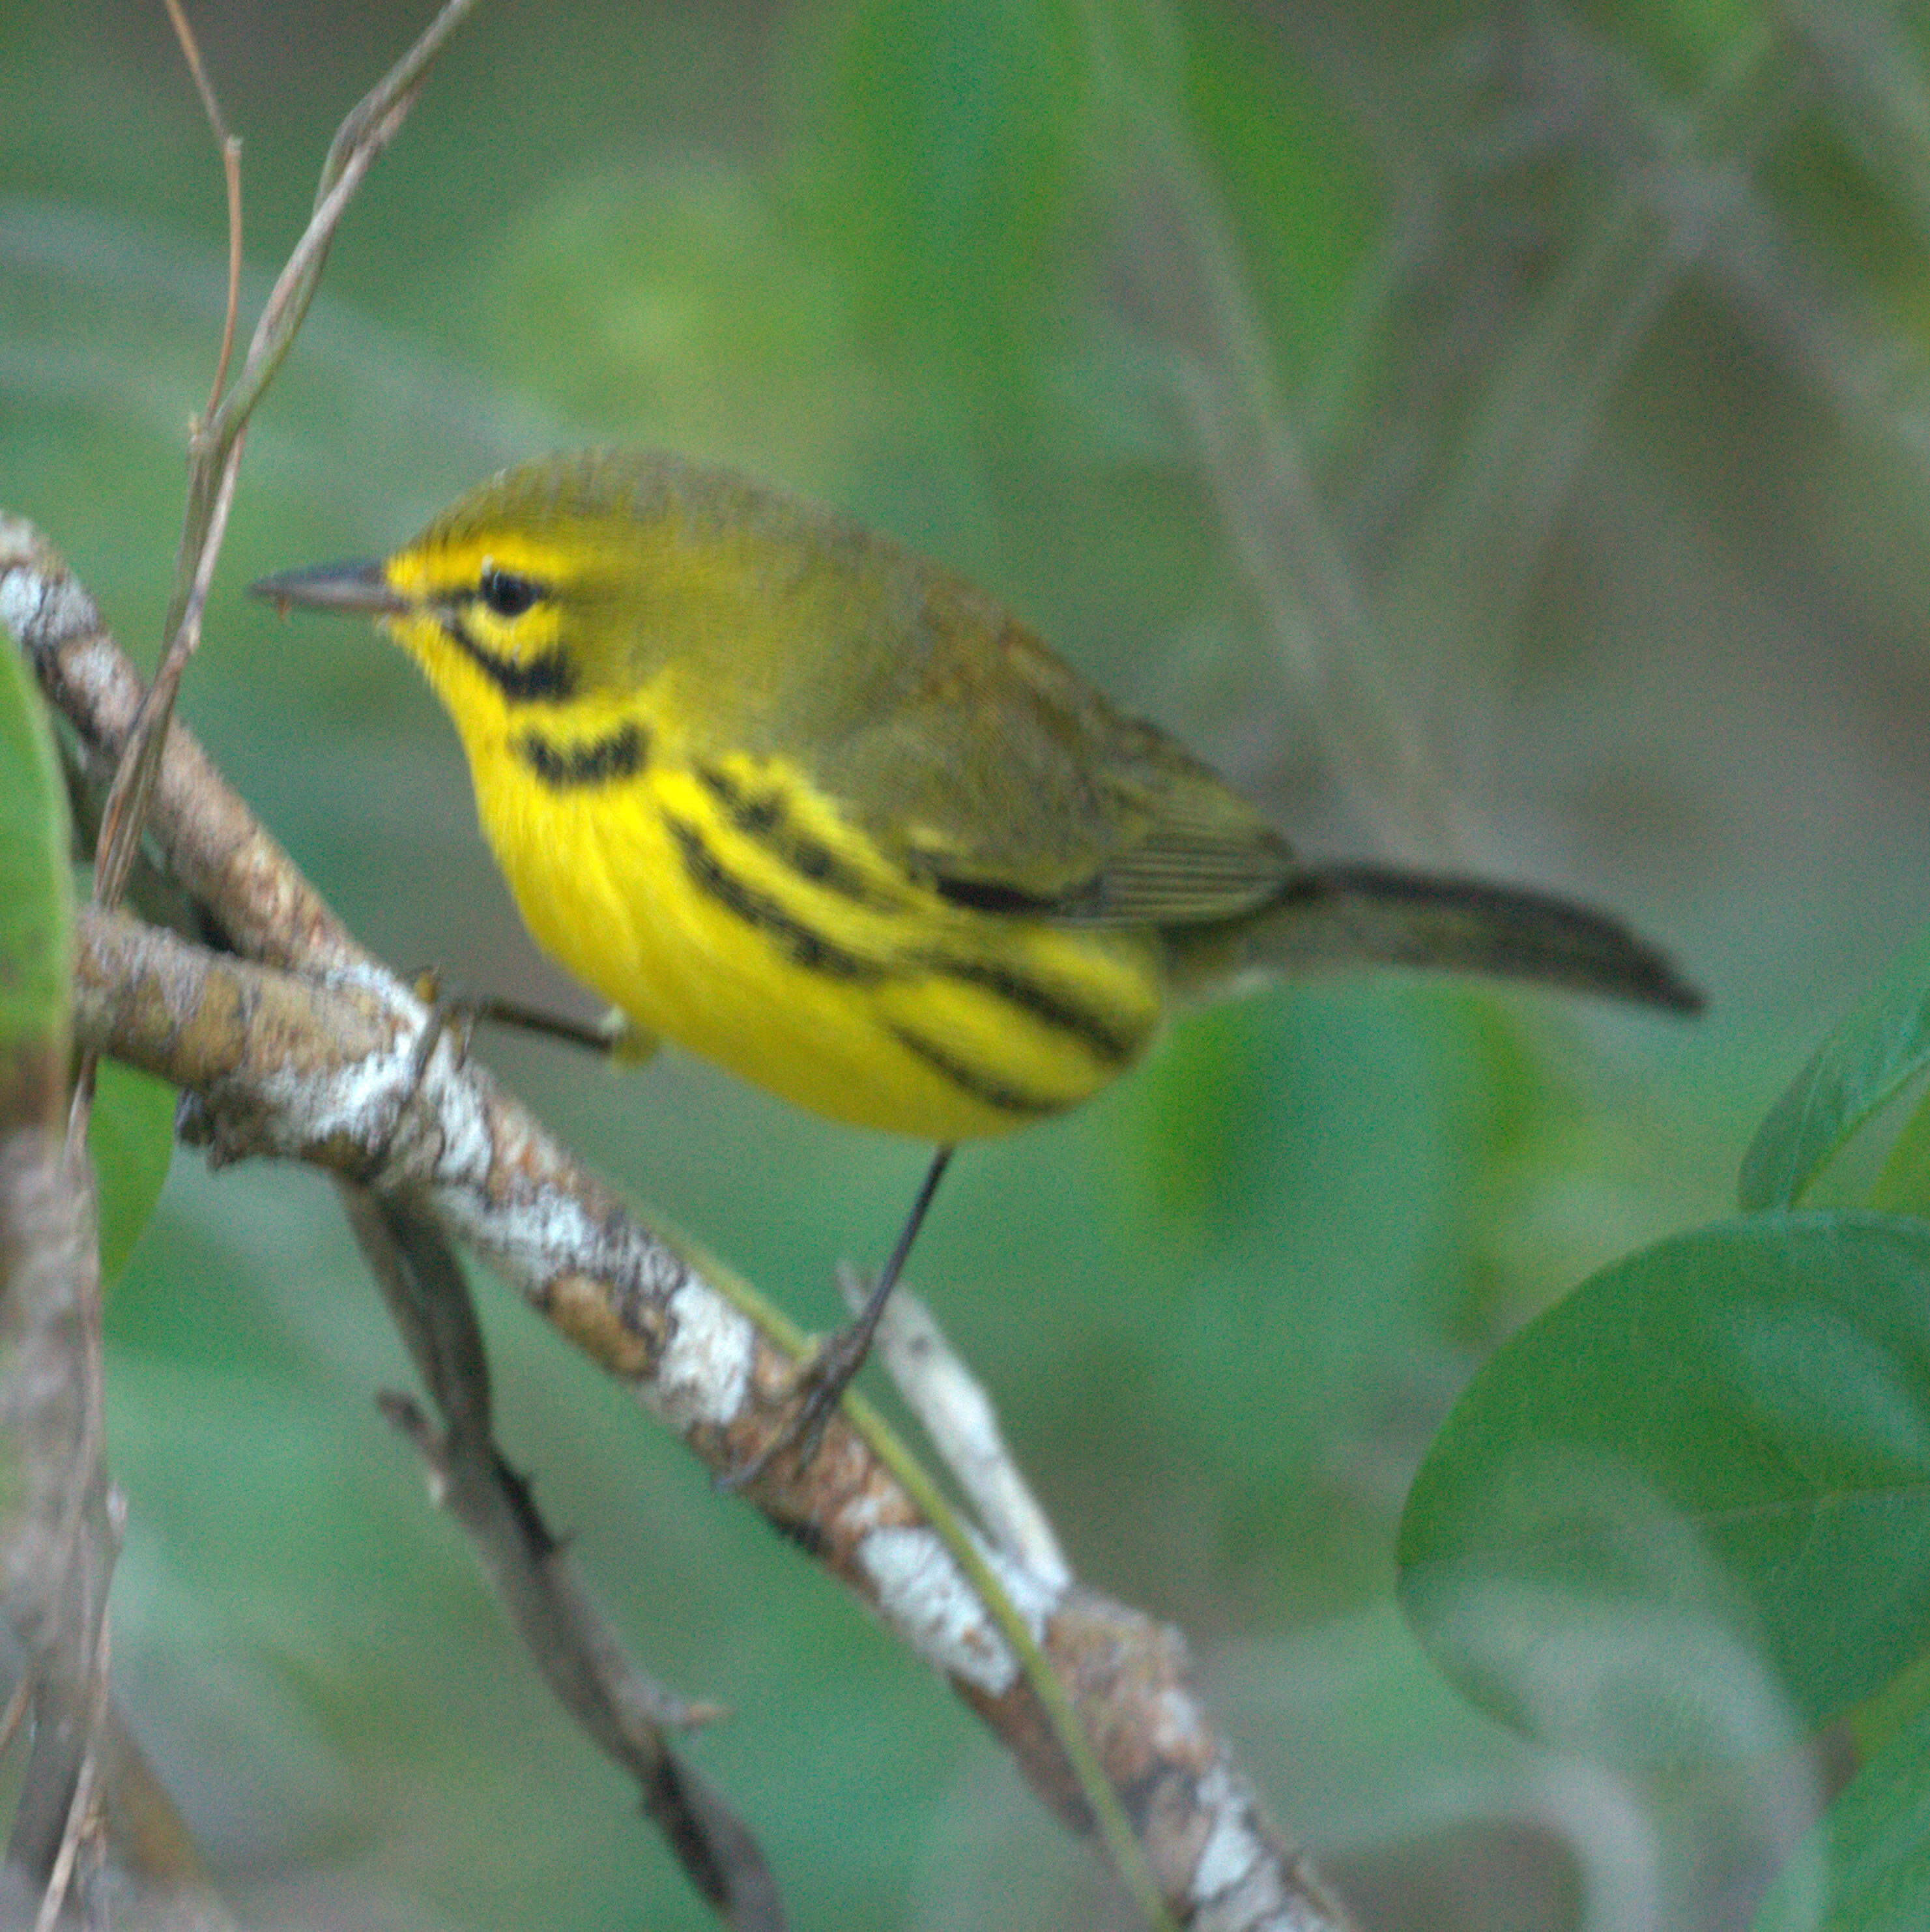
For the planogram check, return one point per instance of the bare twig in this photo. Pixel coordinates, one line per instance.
(415, 1129)
(214, 847)
(57, 1547)
(1204, 332)
(124, 815)
(1463, 573)
(325, 1073)
(231, 171)
(54, 1299)
(83, 1823)
(542, 1591)
(324, 1070)
(16, 1714)
(216, 454)
(956, 1415)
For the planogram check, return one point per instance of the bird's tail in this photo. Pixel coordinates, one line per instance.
(1333, 917)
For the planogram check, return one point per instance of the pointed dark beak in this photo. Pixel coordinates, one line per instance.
(333, 586)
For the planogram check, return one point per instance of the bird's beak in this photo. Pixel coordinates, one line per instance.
(333, 586)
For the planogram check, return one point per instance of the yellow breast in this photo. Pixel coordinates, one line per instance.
(721, 903)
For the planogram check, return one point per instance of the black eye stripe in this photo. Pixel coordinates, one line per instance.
(506, 593)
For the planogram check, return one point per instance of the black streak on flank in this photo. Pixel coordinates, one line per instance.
(545, 680)
(762, 819)
(993, 1092)
(1105, 1042)
(620, 754)
(801, 944)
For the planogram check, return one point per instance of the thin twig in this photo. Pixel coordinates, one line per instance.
(213, 461)
(1209, 339)
(81, 1817)
(125, 811)
(323, 1072)
(86, 1552)
(68, 1609)
(326, 1071)
(365, 131)
(231, 169)
(957, 1415)
(16, 1709)
(574, 1649)
(57, 1550)
(1463, 573)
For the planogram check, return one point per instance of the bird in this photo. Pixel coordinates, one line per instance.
(826, 813)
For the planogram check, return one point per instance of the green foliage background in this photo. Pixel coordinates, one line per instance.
(1495, 436)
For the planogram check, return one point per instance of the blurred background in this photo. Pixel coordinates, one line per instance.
(1495, 436)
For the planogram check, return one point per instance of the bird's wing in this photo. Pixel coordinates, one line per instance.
(1009, 784)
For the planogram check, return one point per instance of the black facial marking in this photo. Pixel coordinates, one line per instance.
(620, 754)
(546, 678)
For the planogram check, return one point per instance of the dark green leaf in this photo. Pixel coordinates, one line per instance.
(1698, 1486)
(1865, 1867)
(1884, 1040)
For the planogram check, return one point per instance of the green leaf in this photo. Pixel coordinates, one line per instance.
(36, 904)
(129, 1139)
(1692, 1495)
(1866, 1865)
(1884, 1040)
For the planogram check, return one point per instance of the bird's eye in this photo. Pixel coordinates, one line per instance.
(505, 593)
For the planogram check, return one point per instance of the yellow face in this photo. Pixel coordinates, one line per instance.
(494, 619)
(595, 581)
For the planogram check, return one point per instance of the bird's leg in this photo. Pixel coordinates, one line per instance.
(612, 1037)
(823, 1378)
(596, 1035)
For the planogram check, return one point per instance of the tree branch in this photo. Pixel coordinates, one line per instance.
(325, 1068)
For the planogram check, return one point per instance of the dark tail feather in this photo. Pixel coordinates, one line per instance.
(1341, 915)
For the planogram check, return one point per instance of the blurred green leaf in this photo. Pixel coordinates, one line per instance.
(129, 1139)
(1677, 40)
(1721, 1444)
(1884, 1040)
(1306, 1169)
(36, 894)
(1866, 1865)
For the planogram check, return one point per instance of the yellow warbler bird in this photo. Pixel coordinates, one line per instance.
(824, 813)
